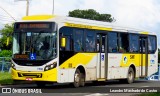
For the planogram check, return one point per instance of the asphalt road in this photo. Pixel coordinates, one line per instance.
(102, 89)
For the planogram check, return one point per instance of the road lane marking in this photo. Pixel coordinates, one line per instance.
(144, 86)
(97, 94)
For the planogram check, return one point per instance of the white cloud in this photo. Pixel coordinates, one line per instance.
(61, 7)
(142, 14)
(15, 9)
(139, 13)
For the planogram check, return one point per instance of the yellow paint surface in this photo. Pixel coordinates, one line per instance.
(87, 26)
(130, 60)
(50, 75)
(135, 61)
(79, 58)
(144, 32)
(38, 17)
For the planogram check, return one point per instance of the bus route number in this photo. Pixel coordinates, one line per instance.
(132, 56)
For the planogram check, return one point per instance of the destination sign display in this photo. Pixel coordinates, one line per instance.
(21, 56)
(32, 25)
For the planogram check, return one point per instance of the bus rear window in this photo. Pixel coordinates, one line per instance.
(151, 44)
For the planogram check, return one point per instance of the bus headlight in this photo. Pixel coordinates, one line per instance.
(13, 66)
(51, 66)
(46, 68)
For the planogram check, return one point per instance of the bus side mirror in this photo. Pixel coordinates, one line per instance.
(63, 42)
(8, 39)
(7, 43)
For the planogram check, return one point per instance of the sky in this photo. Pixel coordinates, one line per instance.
(139, 14)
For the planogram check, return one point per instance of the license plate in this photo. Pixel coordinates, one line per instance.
(29, 79)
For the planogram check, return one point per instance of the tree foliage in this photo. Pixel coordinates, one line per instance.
(5, 53)
(91, 14)
(6, 32)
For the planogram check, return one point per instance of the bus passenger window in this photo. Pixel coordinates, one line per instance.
(124, 43)
(78, 40)
(68, 34)
(133, 43)
(90, 41)
(112, 42)
(68, 43)
(142, 45)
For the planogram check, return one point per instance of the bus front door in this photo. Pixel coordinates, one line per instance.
(102, 56)
(144, 56)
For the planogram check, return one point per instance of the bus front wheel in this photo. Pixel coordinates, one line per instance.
(82, 80)
(79, 79)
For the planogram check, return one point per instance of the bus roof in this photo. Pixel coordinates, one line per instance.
(78, 22)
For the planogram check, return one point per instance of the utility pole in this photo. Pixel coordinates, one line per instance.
(27, 9)
(53, 8)
(27, 6)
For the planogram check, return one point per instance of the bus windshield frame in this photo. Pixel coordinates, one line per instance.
(34, 41)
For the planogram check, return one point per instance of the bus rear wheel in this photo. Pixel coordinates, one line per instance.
(130, 76)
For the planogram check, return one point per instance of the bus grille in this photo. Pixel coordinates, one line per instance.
(32, 75)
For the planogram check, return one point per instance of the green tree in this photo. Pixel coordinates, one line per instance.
(6, 32)
(91, 14)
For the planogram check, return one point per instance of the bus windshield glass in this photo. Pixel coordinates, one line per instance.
(34, 45)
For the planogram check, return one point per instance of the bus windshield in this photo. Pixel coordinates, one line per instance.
(32, 45)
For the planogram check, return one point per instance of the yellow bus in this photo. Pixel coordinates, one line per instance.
(56, 49)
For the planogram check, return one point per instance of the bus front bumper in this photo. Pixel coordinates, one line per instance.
(50, 75)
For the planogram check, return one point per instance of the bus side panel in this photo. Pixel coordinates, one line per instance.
(91, 69)
(66, 75)
(119, 64)
(114, 69)
(131, 59)
(87, 60)
(152, 63)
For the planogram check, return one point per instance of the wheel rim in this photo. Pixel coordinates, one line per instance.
(77, 78)
(130, 75)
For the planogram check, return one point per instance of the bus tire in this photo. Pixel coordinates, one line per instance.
(77, 79)
(40, 84)
(130, 76)
(82, 80)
